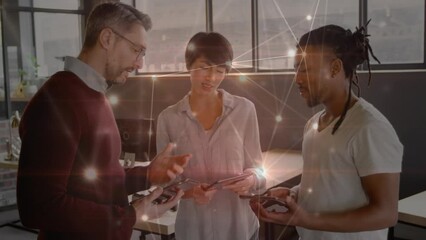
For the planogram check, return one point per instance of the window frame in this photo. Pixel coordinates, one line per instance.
(363, 19)
(208, 28)
(6, 9)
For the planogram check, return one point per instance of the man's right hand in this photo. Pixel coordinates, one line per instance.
(146, 209)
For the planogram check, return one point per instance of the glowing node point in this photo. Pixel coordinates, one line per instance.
(90, 174)
(228, 63)
(291, 53)
(303, 54)
(191, 47)
(309, 17)
(150, 133)
(278, 118)
(154, 77)
(113, 99)
(315, 126)
(144, 218)
(310, 190)
(242, 78)
(263, 172)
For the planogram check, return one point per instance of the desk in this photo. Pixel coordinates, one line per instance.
(8, 174)
(281, 165)
(165, 226)
(7, 164)
(412, 210)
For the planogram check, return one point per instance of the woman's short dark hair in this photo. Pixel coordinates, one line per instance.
(213, 46)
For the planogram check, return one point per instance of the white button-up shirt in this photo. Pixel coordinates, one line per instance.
(229, 148)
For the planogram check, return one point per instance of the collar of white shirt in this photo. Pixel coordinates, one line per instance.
(87, 74)
(228, 101)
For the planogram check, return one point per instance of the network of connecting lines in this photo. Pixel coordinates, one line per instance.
(281, 103)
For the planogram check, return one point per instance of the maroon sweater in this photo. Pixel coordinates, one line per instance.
(70, 182)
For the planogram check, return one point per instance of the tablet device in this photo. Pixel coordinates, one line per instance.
(269, 202)
(227, 181)
(169, 192)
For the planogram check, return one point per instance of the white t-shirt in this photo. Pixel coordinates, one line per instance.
(364, 144)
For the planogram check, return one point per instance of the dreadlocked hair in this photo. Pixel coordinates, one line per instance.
(352, 48)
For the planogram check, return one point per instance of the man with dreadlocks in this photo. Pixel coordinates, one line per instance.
(352, 155)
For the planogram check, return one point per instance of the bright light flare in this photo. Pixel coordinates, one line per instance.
(113, 99)
(90, 174)
(291, 53)
(264, 172)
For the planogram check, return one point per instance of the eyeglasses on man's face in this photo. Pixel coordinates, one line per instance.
(137, 48)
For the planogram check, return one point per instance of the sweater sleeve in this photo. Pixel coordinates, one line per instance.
(51, 134)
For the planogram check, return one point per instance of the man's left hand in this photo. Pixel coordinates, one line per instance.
(295, 216)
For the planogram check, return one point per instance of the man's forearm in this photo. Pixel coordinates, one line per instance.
(366, 218)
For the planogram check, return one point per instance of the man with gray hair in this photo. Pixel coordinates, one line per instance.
(70, 182)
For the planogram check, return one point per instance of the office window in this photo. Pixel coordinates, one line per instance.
(36, 42)
(24, 3)
(281, 23)
(129, 2)
(173, 25)
(57, 4)
(397, 30)
(2, 83)
(51, 47)
(233, 20)
(27, 46)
